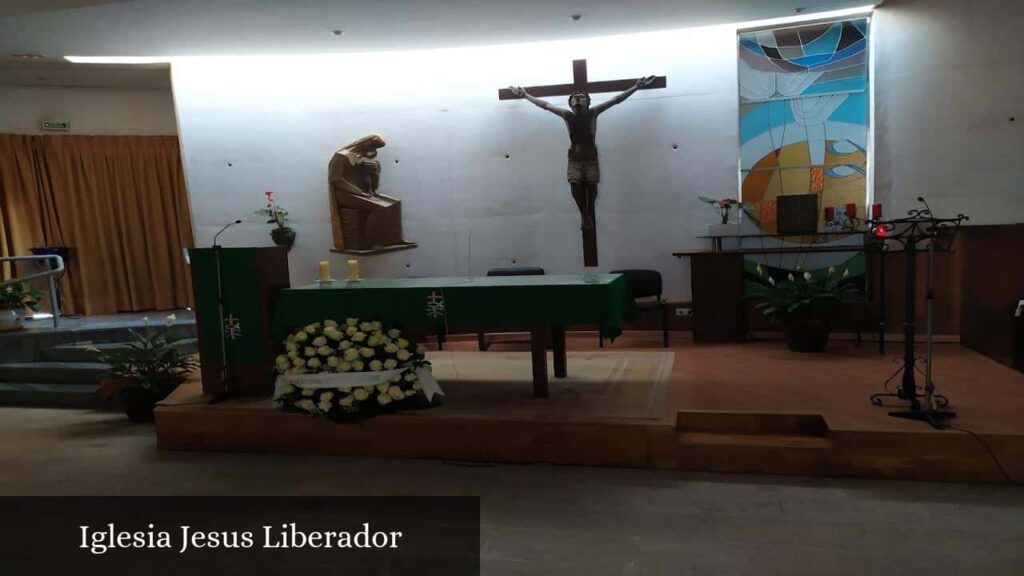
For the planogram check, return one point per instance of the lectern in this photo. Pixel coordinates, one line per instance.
(234, 291)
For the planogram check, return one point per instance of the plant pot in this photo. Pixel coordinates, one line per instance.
(283, 237)
(803, 335)
(10, 320)
(138, 404)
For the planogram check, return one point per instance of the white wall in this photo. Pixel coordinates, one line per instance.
(249, 125)
(947, 80)
(118, 111)
(948, 77)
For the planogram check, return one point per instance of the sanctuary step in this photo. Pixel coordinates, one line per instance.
(87, 352)
(29, 344)
(752, 441)
(63, 384)
(50, 395)
(66, 375)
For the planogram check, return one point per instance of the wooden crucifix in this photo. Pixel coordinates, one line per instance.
(581, 119)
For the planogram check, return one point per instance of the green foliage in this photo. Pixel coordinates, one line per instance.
(21, 295)
(274, 214)
(803, 294)
(151, 362)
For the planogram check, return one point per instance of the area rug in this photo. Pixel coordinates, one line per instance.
(630, 385)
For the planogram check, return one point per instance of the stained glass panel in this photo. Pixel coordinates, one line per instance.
(804, 115)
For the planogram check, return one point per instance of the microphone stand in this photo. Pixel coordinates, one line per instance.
(225, 372)
(919, 226)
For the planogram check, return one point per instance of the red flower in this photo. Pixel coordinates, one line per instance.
(269, 195)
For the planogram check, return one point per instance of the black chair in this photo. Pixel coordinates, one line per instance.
(644, 285)
(481, 338)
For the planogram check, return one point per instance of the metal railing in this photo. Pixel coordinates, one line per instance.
(48, 274)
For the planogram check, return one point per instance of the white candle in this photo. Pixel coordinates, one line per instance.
(353, 269)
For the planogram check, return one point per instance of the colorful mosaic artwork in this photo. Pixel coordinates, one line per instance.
(804, 115)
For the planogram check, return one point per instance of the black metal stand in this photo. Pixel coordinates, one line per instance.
(226, 369)
(919, 229)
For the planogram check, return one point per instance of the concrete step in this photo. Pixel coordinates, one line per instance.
(85, 351)
(75, 373)
(26, 345)
(53, 395)
(754, 441)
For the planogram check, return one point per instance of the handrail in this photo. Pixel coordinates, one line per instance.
(48, 274)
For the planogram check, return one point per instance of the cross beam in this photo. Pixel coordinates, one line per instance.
(580, 82)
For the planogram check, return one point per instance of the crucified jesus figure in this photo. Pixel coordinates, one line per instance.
(583, 171)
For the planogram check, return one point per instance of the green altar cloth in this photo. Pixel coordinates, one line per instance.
(602, 299)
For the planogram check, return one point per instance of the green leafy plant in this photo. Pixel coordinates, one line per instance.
(802, 294)
(18, 296)
(274, 213)
(150, 362)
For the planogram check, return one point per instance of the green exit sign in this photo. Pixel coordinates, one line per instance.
(58, 126)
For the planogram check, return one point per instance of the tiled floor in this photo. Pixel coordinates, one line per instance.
(567, 520)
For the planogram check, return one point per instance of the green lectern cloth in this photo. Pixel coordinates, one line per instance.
(602, 299)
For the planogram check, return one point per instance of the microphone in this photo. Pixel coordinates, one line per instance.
(226, 226)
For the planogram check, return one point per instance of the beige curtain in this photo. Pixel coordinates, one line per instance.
(120, 203)
(21, 225)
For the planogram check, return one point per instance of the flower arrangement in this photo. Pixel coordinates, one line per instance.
(146, 369)
(352, 370)
(798, 294)
(724, 206)
(18, 296)
(273, 212)
(281, 234)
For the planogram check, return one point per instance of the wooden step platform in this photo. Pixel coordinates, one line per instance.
(819, 426)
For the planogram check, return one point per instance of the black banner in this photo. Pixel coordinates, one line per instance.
(355, 536)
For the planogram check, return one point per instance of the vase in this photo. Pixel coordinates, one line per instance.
(138, 404)
(806, 335)
(10, 320)
(283, 236)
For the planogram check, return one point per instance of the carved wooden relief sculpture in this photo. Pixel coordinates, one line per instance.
(363, 220)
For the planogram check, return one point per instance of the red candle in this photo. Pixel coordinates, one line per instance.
(851, 210)
(830, 213)
(876, 211)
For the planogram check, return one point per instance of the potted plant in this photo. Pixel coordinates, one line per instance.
(804, 304)
(146, 370)
(14, 300)
(724, 207)
(281, 234)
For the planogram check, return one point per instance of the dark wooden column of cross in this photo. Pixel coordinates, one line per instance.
(580, 82)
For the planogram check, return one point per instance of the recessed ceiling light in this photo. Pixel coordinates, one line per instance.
(576, 17)
(28, 56)
(118, 59)
(337, 32)
(799, 10)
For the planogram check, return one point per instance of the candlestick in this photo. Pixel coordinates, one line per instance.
(353, 269)
(325, 271)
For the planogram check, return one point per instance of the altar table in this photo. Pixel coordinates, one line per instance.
(542, 305)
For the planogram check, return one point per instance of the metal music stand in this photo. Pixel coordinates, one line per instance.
(919, 231)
